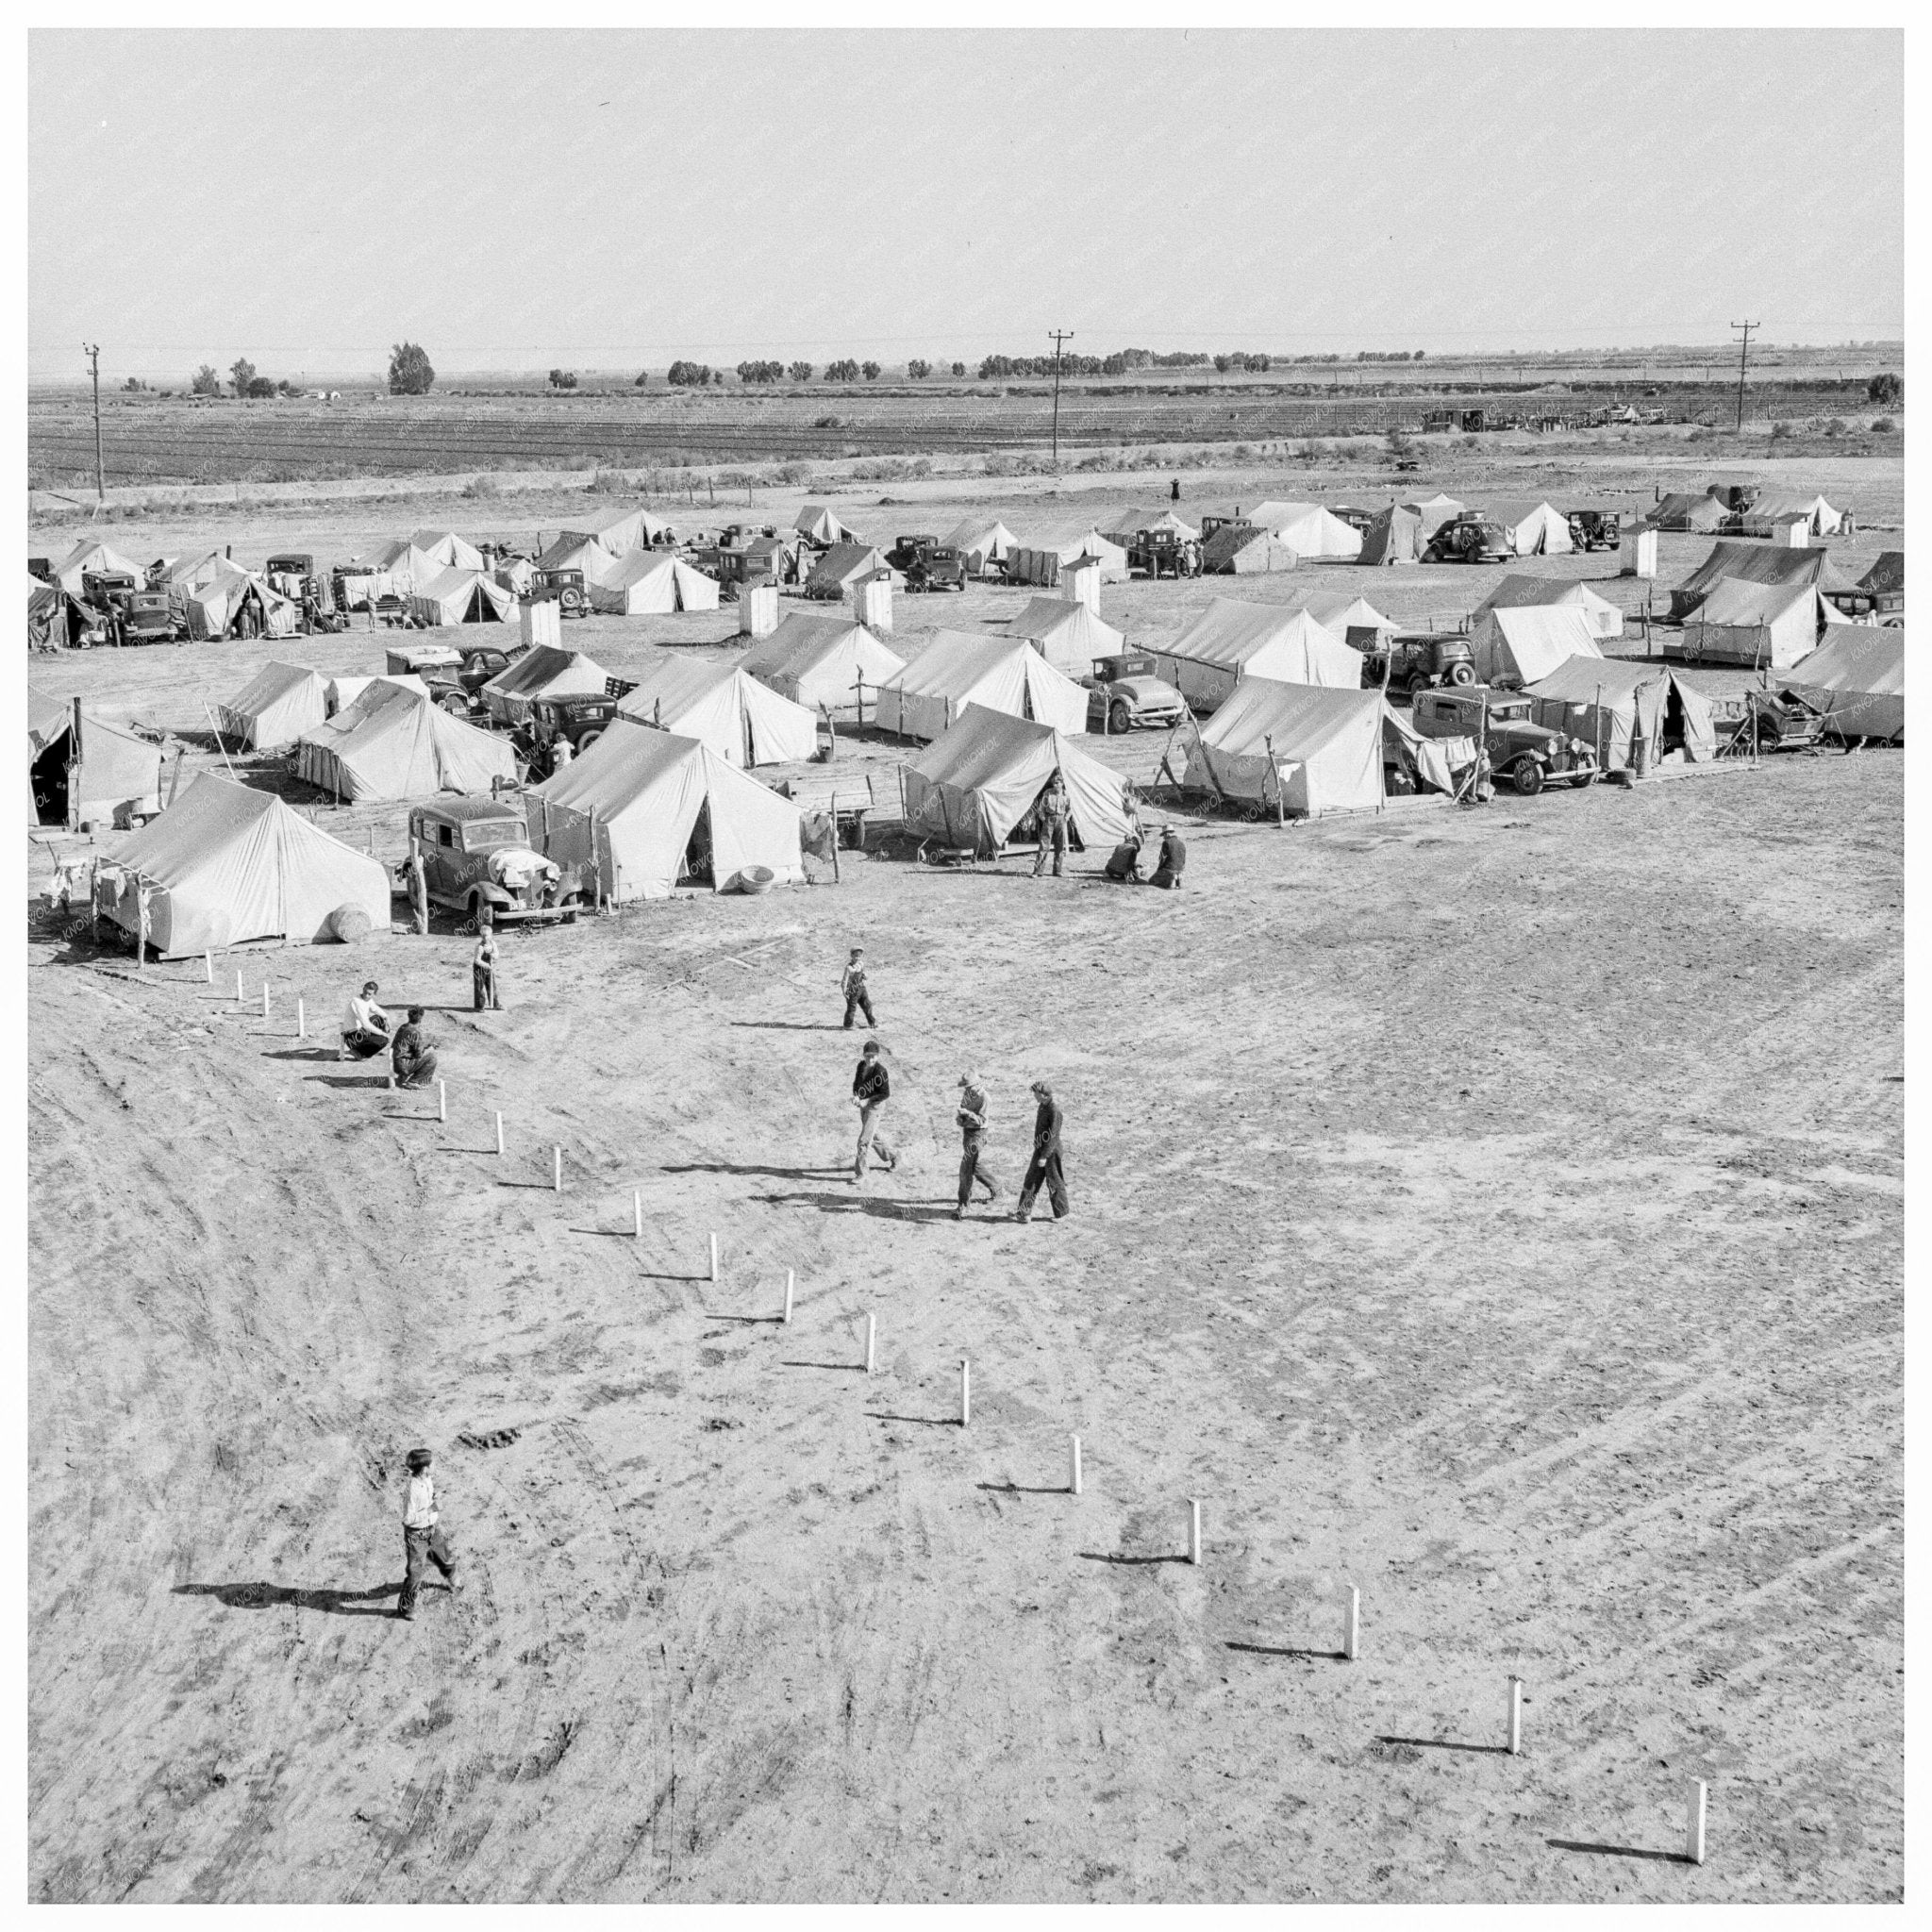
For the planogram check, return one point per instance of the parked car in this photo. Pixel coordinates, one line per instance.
(457, 691)
(477, 853)
(1781, 720)
(563, 588)
(1595, 529)
(1529, 754)
(1124, 694)
(1470, 540)
(1415, 660)
(1157, 554)
(928, 564)
(581, 721)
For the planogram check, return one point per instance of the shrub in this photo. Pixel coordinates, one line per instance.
(205, 382)
(824, 422)
(689, 374)
(481, 486)
(958, 369)
(1779, 430)
(760, 372)
(1886, 389)
(918, 371)
(871, 372)
(845, 369)
(409, 374)
(642, 377)
(563, 378)
(242, 373)
(260, 387)
(1883, 426)
(1835, 426)
(800, 372)
(794, 473)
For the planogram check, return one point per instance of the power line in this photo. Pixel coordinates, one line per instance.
(1743, 357)
(93, 352)
(1060, 336)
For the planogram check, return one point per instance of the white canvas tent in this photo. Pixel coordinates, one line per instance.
(723, 708)
(545, 670)
(1768, 626)
(1343, 613)
(655, 808)
(1308, 530)
(1232, 640)
(1316, 748)
(1514, 645)
(650, 583)
(1001, 673)
(275, 706)
(1043, 551)
(1123, 525)
(1433, 513)
(981, 543)
(445, 547)
(397, 569)
(576, 551)
(91, 558)
(619, 529)
(976, 782)
(227, 864)
(344, 689)
(234, 601)
(108, 775)
(824, 527)
(394, 743)
(1602, 700)
(823, 662)
(1818, 517)
(1856, 677)
(1523, 593)
(1534, 529)
(1068, 635)
(463, 594)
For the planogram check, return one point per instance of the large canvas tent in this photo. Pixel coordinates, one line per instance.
(956, 669)
(725, 708)
(106, 777)
(1231, 641)
(275, 706)
(1856, 677)
(1817, 516)
(1353, 619)
(1394, 536)
(46, 615)
(822, 526)
(1123, 525)
(1516, 646)
(397, 569)
(91, 558)
(236, 603)
(1043, 551)
(1432, 512)
(649, 583)
(1766, 627)
(1068, 635)
(619, 529)
(225, 864)
(572, 550)
(1745, 563)
(981, 543)
(1684, 509)
(1317, 748)
(652, 809)
(1603, 700)
(1522, 592)
(843, 566)
(1240, 550)
(462, 594)
(545, 670)
(1533, 528)
(394, 743)
(982, 778)
(829, 664)
(1308, 530)
(445, 548)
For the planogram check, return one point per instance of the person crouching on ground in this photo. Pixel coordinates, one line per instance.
(1124, 868)
(424, 1542)
(412, 1059)
(483, 973)
(852, 984)
(972, 1119)
(1045, 1164)
(365, 1026)
(1173, 860)
(872, 1087)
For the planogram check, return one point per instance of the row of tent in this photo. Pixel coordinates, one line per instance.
(1711, 510)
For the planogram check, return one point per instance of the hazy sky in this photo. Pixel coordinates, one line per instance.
(601, 199)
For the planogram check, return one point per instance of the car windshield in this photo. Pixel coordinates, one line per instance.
(1508, 714)
(487, 835)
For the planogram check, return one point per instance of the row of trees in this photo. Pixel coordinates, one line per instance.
(410, 375)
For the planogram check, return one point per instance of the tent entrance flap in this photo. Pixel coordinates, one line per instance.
(49, 778)
(697, 865)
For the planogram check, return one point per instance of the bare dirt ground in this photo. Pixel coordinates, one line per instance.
(1496, 1211)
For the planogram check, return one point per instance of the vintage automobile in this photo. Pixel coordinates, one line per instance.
(1157, 554)
(1470, 540)
(477, 855)
(1594, 529)
(1123, 693)
(1529, 754)
(1780, 721)
(294, 574)
(1415, 660)
(928, 564)
(563, 588)
(458, 691)
(580, 720)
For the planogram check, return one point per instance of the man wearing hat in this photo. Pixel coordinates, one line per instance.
(872, 1087)
(1173, 860)
(423, 1539)
(1045, 1163)
(972, 1119)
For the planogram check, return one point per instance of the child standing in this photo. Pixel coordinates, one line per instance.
(852, 984)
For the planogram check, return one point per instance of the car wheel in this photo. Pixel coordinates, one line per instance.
(1527, 776)
(586, 740)
(478, 902)
(1120, 719)
(1462, 674)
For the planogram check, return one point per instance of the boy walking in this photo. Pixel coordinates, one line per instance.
(872, 1087)
(852, 984)
(424, 1542)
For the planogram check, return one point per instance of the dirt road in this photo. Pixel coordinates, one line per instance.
(1497, 1212)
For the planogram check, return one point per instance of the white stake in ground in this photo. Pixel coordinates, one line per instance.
(714, 1261)
(1694, 1801)
(241, 997)
(965, 1393)
(872, 1342)
(637, 1213)
(788, 1294)
(207, 959)
(499, 1137)
(1352, 1627)
(557, 1170)
(1073, 1467)
(1194, 1530)
(1515, 1746)
(264, 999)
(301, 1020)
(442, 1100)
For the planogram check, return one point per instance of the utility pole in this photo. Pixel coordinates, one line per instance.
(93, 351)
(1060, 336)
(1743, 357)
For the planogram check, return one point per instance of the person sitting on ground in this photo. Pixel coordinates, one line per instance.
(412, 1057)
(365, 1026)
(1173, 860)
